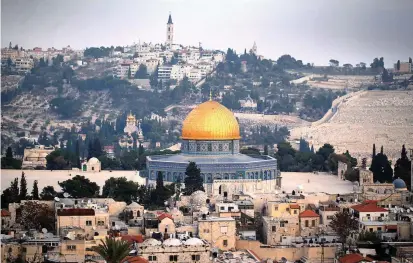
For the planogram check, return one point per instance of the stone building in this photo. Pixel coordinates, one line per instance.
(36, 157)
(309, 223)
(210, 135)
(175, 250)
(275, 229)
(92, 165)
(136, 212)
(218, 231)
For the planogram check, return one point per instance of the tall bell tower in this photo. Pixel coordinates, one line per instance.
(169, 32)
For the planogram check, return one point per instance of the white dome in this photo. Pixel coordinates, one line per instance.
(172, 242)
(152, 242)
(194, 242)
(93, 160)
(198, 198)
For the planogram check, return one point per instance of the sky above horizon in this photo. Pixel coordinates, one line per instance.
(314, 31)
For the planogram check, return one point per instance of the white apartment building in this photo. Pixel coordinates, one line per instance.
(164, 72)
(195, 75)
(121, 71)
(218, 57)
(133, 68)
(23, 65)
(151, 64)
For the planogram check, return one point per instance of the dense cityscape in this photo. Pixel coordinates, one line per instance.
(167, 152)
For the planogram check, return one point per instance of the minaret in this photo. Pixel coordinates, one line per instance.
(169, 32)
(254, 49)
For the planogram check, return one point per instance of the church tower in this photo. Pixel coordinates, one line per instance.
(254, 49)
(169, 32)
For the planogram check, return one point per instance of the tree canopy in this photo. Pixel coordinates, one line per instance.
(193, 180)
(120, 189)
(80, 186)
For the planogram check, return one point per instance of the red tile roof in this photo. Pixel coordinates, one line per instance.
(369, 206)
(131, 239)
(164, 215)
(308, 213)
(134, 259)
(5, 213)
(353, 258)
(294, 206)
(76, 212)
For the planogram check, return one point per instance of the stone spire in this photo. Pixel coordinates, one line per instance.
(170, 19)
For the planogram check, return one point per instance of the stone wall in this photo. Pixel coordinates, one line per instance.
(313, 254)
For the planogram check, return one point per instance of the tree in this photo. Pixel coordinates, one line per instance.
(56, 160)
(112, 250)
(265, 149)
(95, 149)
(79, 186)
(410, 60)
(350, 160)
(48, 193)
(8, 162)
(129, 73)
(160, 193)
(142, 72)
(10, 45)
(23, 188)
(374, 150)
(343, 224)
(10, 194)
(398, 65)
(78, 164)
(34, 215)
(402, 168)
(325, 151)
(381, 168)
(193, 180)
(120, 189)
(35, 191)
(334, 63)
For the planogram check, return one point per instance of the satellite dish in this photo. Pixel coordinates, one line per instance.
(44, 230)
(66, 195)
(57, 199)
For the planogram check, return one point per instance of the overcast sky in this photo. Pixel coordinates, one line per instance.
(350, 31)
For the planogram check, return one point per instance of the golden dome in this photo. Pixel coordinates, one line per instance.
(210, 121)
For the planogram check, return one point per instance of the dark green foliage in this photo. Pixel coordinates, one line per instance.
(8, 162)
(120, 189)
(366, 236)
(402, 168)
(161, 192)
(48, 193)
(398, 65)
(230, 101)
(250, 151)
(23, 188)
(381, 168)
(351, 160)
(10, 194)
(386, 76)
(94, 149)
(66, 107)
(265, 149)
(35, 191)
(142, 72)
(96, 52)
(79, 187)
(377, 63)
(288, 62)
(304, 146)
(193, 180)
(113, 250)
(61, 159)
(374, 151)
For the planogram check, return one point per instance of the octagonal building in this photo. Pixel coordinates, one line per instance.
(210, 138)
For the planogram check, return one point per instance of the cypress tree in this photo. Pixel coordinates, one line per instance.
(402, 168)
(381, 150)
(35, 191)
(23, 188)
(193, 180)
(78, 154)
(14, 191)
(374, 150)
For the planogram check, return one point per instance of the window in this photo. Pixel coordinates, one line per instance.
(152, 258)
(330, 217)
(173, 258)
(71, 247)
(224, 229)
(295, 211)
(206, 230)
(88, 222)
(209, 147)
(371, 230)
(101, 223)
(368, 215)
(379, 229)
(306, 223)
(274, 228)
(275, 208)
(287, 209)
(196, 257)
(225, 242)
(220, 147)
(381, 215)
(221, 208)
(313, 223)
(24, 249)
